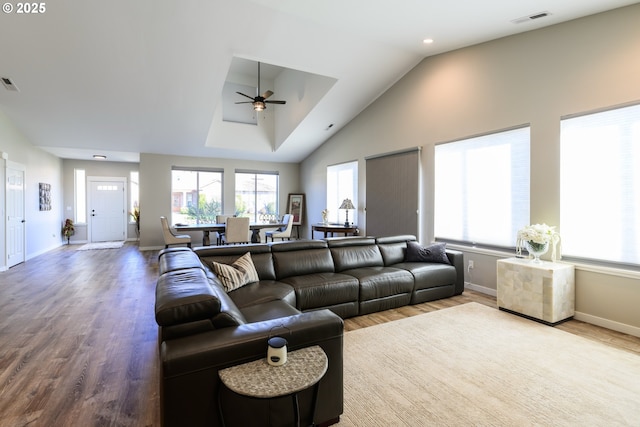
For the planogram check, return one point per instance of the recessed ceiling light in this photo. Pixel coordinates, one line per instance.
(100, 157)
(427, 41)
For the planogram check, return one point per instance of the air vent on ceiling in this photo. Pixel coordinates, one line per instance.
(531, 17)
(9, 84)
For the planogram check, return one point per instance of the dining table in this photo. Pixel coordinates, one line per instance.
(255, 228)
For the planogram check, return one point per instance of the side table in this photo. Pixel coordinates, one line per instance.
(543, 291)
(304, 369)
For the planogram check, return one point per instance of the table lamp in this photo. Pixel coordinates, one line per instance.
(346, 205)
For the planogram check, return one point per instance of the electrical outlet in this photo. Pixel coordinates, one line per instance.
(470, 265)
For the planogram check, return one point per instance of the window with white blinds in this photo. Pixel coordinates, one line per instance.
(482, 188)
(342, 183)
(600, 186)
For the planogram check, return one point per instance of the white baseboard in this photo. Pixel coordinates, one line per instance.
(44, 251)
(609, 324)
(584, 317)
(481, 289)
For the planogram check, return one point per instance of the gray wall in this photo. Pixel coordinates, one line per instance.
(535, 78)
(155, 189)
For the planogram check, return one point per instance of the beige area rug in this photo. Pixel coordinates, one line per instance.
(100, 245)
(472, 365)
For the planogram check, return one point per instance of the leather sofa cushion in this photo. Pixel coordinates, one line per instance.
(357, 256)
(381, 282)
(261, 292)
(393, 248)
(184, 296)
(323, 289)
(229, 314)
(429, 275)
(178, 260)
(269, 311)
(302, 262)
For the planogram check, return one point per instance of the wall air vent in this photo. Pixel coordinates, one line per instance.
(531, 17)
(9, 84)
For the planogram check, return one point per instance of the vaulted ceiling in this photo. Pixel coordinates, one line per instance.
(124, 77)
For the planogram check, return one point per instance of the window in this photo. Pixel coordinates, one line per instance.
(482, 188)
(600, 185)
(342, 183)
(196, 195)
(134, 192)
(256, 194)
(80, 196)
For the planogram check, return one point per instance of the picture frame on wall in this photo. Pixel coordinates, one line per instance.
(45, 196)
(295, 207)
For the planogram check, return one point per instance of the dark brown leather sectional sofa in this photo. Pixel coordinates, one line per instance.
(305, 290)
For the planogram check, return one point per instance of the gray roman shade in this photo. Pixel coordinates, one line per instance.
(392, 193)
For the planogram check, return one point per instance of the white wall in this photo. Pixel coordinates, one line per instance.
(43, 228)
(94, 168)
(535, 78)
(155, 189)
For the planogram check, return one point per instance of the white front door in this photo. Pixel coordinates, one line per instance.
(107, 215)
(15, 213)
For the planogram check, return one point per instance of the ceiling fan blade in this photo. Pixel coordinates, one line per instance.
(275, 102)
(267, 94)
(240, 93)
(245, 102)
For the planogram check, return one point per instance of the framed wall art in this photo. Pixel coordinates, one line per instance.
(296, 207)
(45, 196)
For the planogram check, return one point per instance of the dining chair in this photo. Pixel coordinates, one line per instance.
(220, 219)
(236, 231)
(170, 238)
(283, 232)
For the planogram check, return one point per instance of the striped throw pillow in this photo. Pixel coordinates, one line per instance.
(238, 274)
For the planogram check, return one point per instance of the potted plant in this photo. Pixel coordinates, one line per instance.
(136, 217)
(68, 230)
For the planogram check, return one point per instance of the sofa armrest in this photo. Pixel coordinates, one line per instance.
(190, 365)
(236, 345)
(457, 260)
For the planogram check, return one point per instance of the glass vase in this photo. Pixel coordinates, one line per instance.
(536, 249)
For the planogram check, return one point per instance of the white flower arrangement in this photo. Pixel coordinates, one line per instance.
(538, 234)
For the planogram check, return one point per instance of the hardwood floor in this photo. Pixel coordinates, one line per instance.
(78, 338)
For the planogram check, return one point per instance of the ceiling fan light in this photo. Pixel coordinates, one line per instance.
(259, 106)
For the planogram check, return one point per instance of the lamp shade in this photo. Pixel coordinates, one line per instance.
(347, 204)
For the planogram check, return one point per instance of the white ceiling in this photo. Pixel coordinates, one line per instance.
(124, 77)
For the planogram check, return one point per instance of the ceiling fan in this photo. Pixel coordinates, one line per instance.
(259, 102)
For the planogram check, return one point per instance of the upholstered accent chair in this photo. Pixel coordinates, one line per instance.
(170, 238)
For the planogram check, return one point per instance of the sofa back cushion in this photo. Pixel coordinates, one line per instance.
(260, 255)
(301, 257)
(177, 260)
(393, 248)
(229, 314)
(351, 253)
(184, 296)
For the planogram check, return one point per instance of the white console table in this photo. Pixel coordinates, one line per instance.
(544, 291)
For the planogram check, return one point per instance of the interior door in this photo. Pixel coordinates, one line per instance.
(106, 210)
(15, 214)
